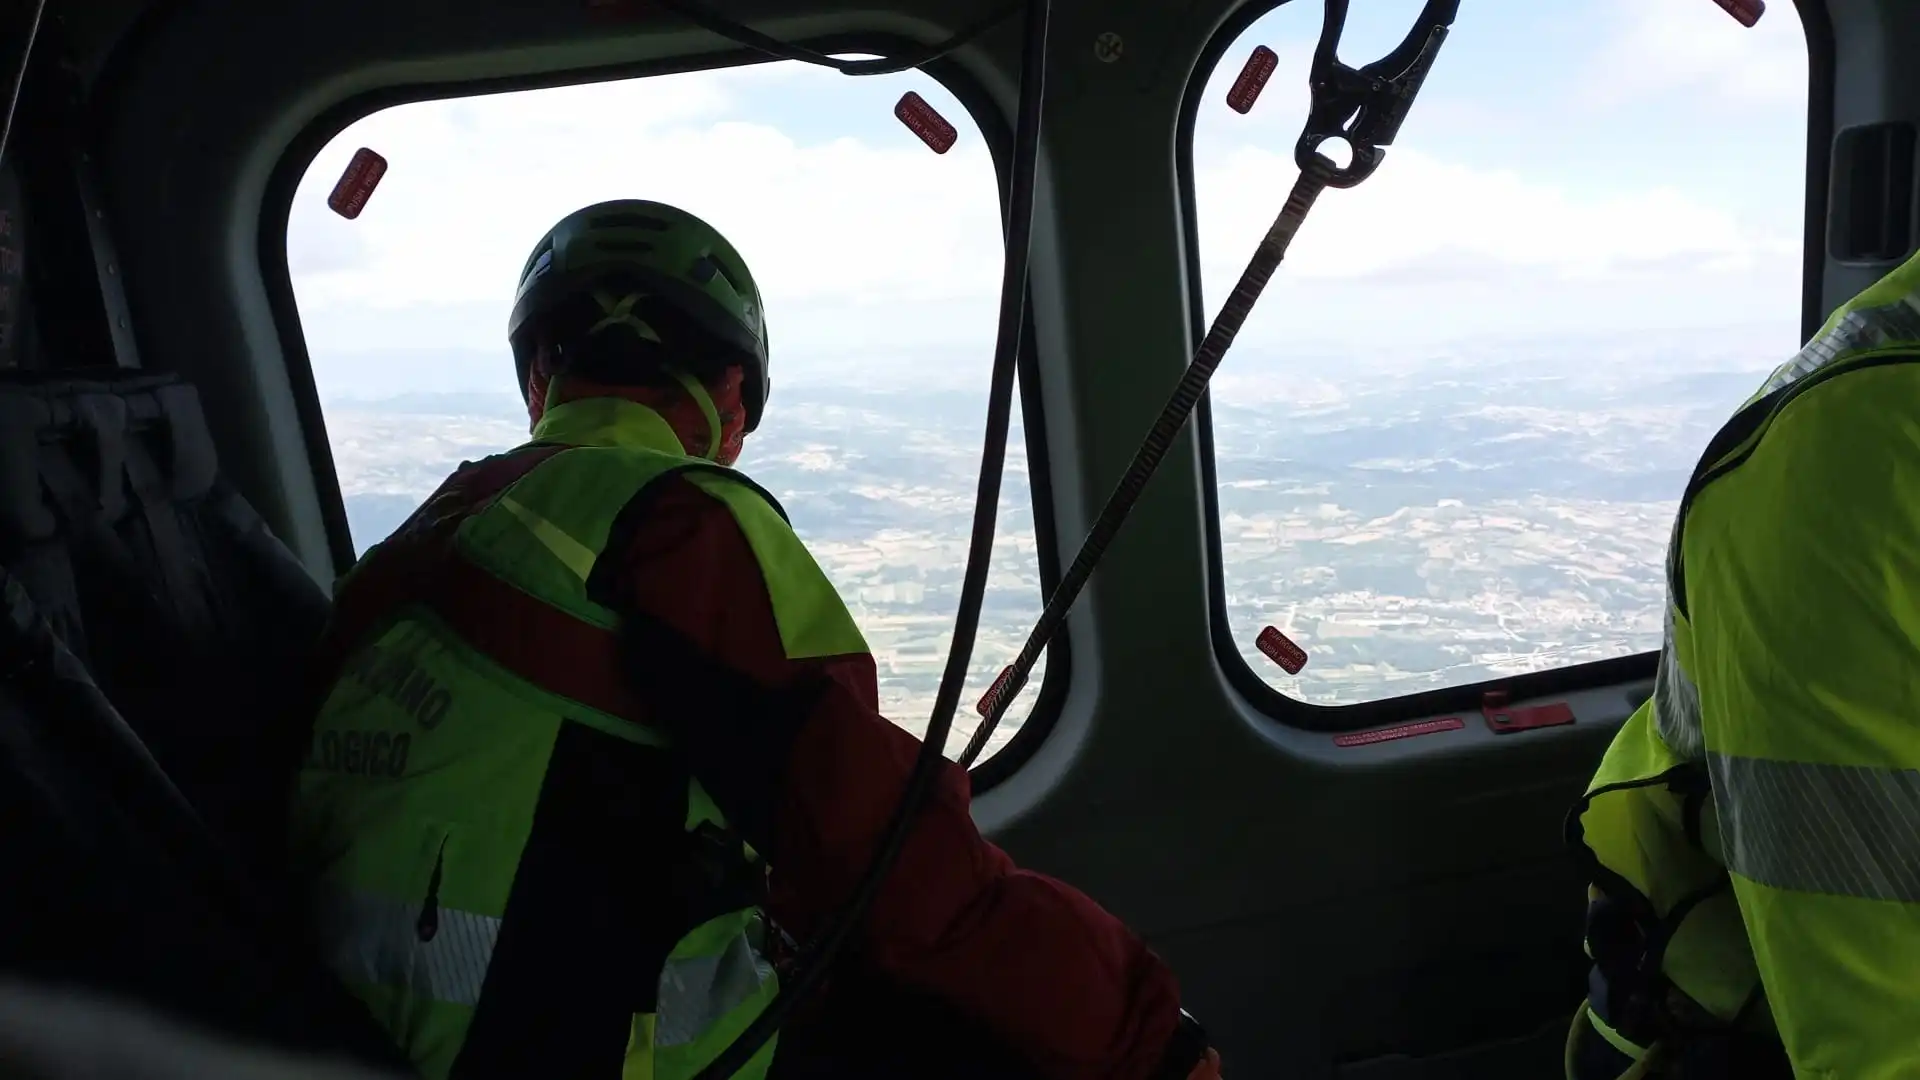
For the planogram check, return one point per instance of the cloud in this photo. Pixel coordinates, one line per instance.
(312, 252)
(1433, 250)
(473, 184)
(873, 251)
(1665, 46)
(1459, 235)
(1420, 210)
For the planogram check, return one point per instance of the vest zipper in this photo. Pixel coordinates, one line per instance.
(429, 922)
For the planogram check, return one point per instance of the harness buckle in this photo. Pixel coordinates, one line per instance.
(714, 875)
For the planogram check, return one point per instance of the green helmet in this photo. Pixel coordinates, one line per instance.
(656, 268)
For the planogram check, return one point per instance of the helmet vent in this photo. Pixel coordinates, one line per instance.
(628, 221)
(537, 263)
(732, 281)
(634, 247)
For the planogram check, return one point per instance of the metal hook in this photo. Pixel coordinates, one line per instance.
(1365, 106)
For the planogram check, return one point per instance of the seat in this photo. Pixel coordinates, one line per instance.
(193, 619)
(113, 513)
(114, 886)
(152, 638)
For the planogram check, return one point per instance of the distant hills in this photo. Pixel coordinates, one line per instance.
(1412, 520)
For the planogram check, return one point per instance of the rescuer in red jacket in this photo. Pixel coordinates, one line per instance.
(637, 324)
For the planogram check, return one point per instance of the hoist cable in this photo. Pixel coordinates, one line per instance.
(20, 78)
(1363, 107)
(703, 16)
(1266, 259)
(818, 956)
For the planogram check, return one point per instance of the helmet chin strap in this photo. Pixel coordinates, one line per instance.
(698, 391)
(619, 312)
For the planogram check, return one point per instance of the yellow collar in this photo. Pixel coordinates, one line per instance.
(607, 421)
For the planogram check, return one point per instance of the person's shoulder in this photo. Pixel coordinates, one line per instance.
(677, 514)
(1830, 492)
(710, 514)
(753, 508)
(1858, 427)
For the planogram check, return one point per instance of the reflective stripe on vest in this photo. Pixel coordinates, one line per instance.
(419, 850)
(1847, 830)
(1675, 804)
(377, 941)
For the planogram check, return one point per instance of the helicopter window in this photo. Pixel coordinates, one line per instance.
(879, 263)
(1450, 442)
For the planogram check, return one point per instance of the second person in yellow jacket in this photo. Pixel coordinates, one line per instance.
(1753, 834)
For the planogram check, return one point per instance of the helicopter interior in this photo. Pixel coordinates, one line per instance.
(1358, 871)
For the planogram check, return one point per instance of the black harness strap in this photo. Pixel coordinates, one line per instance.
(175, 556)
(85, 518)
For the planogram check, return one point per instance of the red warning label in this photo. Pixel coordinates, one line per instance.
(1281, 650)
(1253, 79)
(1000, 688)
(1747, 11)
(1399, 731)
(920, 119)
(1503, 718)
(357, 183)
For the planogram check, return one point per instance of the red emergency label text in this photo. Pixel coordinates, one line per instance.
(1281, 650)
(357, 183)
(1399, 731)
(1747, 11)
(920, 119)
(1001, 687)
(1253, 79)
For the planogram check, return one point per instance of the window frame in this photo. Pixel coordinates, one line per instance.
(1555, 682)
(995, 130)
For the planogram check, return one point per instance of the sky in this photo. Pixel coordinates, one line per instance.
(1570, 168)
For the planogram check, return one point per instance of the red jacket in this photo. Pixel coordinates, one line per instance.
(1063, 982)
(1039, 963)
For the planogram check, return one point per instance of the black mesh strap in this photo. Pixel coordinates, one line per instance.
(178, 562)
(80, 506)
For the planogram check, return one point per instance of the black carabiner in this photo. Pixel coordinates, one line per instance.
(1366, 106)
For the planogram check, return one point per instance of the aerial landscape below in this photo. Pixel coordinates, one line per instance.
(1429, 519)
